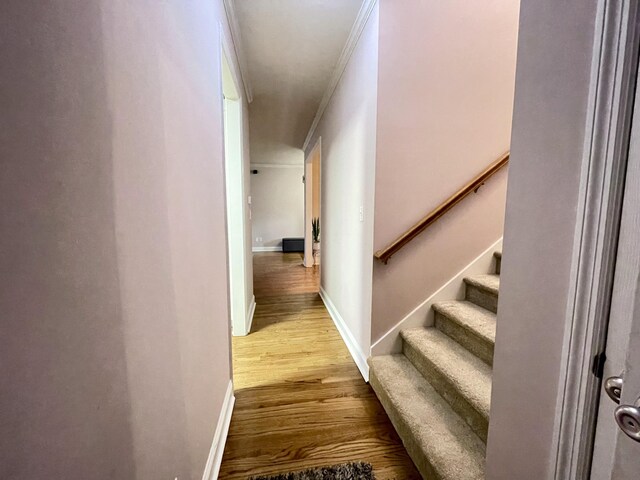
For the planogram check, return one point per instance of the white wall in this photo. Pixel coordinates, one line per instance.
(547, 147)
(277, 203)
(270, 151)
(348, 132)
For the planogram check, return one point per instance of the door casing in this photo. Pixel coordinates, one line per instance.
(616, 456)
(236, 207)
(614, 71)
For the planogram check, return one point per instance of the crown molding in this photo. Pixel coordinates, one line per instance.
(343, 60)
(236, 38)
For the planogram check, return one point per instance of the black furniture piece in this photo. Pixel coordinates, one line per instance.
(293, 245)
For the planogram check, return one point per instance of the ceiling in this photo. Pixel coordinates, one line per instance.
(291, 48)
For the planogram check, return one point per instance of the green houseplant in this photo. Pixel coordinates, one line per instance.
(315, 233)
(315, 230)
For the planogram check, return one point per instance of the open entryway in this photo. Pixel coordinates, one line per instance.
(312, 194)
(300, 373)
(241, 302)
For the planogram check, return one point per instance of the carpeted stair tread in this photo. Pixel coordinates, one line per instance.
(439, 441)
(459, 376)
(483, 291)
(471, 317)
(489, 283)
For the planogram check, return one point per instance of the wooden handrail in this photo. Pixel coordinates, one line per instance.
(385, 254)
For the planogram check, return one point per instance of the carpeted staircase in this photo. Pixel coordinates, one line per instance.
(437, 392)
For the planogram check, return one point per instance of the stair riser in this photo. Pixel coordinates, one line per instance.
(416, 453)
(482, 298)
(480, 347)
(439, 381)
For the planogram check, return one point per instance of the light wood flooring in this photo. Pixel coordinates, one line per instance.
(300, 399)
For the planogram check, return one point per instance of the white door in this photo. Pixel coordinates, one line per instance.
(616, 454)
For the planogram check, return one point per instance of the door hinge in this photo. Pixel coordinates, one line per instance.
(597, 367)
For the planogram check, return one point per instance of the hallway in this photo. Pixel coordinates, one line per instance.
(300, 399)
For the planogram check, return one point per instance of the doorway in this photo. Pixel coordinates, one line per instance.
(240, 304)
(312, 198)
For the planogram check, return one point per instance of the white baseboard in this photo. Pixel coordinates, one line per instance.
(422, 315)
(252, 311)
(267, 249)
(354, 349)
(212, 468)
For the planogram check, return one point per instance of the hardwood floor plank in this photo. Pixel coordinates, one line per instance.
(291, 393)
(389, 456)
(300, 399)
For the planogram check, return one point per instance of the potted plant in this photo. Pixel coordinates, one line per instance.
(315, 233)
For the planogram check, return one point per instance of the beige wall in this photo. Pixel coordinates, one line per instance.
(446, 77)
(347, 130)
(549, 119)
(112, 259)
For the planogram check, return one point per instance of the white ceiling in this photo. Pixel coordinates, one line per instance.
(291, 48)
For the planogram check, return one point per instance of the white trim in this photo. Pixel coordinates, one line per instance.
(614, 69)
(236, 37)
(352, 41)
(252, 311)
(267, 249)
(277, 165)
(228, 52)
(212, 467)
(423, 314)
(234, 200)
(248, 320)
(352, 345)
